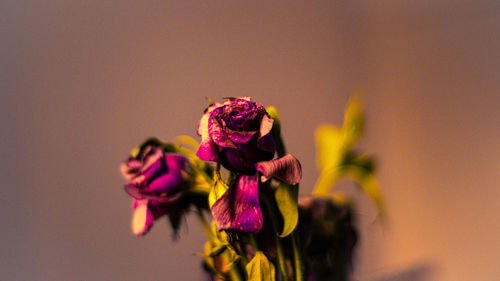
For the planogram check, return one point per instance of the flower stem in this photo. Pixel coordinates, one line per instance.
(299, 274)
(253, 243)
(233, 271)
(297, 254)
(279, 246)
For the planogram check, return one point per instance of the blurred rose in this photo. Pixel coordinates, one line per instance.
(236, 134)
(328, 236)
(156, 179)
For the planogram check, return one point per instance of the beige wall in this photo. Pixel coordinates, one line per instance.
(82, 83)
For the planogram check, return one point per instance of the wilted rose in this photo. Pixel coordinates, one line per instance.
(156, 179)
(236, 134)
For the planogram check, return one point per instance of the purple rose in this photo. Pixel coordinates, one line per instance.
(156, 179)
(236, 134)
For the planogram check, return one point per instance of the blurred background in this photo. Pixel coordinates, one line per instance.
(83, 82)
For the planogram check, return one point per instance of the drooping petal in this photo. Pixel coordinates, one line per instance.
(287, 169)
(239, 208)
(142, 219)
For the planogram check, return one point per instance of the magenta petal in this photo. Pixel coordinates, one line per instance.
(165, 184)
(208, 151)
(287, 169)
(239, 207)
(176, 161)
(218, 135)
(150, 170)
(240, 137)
(266, 143)
(130, 168)
(235, 160)
(134, 190)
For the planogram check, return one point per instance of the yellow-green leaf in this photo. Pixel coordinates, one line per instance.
(286, 199)
(330, 152)
(187, 142)
(273, 112)
(329, 146)
(276, 130)
(325, 181)
(218, 189)
(368, 184)
(260, 269)
(353, 121)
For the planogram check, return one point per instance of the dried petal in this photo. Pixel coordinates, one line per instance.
(287, 169)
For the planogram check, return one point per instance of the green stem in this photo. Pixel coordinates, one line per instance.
(253, 243)
(299, 274)
(297, 254)
(233, 271)
(280, 145)
(243, 254)
(279, 247)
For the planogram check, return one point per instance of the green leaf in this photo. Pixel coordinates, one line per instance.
(330, 152)
(286, 198)
(368, 183)
(329, 146)
(273, 112)
(333, 145)
(260, 269)
(218, 189)
(187, 142)
(276, 130)
(353, 121)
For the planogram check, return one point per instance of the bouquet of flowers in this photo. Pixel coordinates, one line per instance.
(241, 176)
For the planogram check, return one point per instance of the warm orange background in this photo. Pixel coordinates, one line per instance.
(83, 82)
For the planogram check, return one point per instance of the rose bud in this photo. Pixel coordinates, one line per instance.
(156, 180)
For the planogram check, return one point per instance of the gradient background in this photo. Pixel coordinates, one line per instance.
(83, 82)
